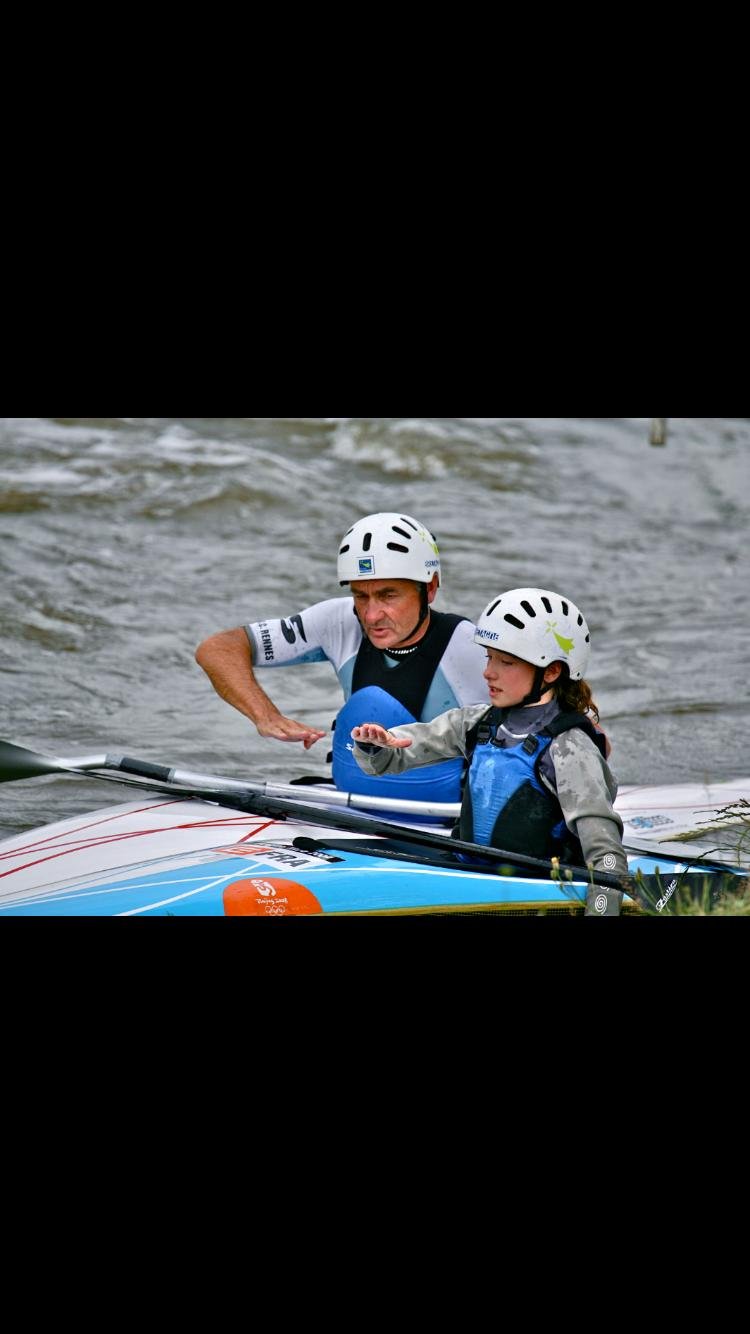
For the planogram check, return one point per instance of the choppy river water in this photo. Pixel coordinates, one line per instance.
(124, 541)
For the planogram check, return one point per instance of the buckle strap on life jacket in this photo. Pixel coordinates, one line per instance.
(486, 729)
(564, 722)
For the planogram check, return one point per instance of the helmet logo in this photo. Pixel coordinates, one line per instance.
(366, 565)
(567, 645)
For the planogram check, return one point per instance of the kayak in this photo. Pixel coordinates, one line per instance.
(195, 844)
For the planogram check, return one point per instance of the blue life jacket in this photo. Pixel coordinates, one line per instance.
(505, 804)
(391, 696)
(430, 782)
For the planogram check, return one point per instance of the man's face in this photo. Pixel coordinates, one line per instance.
(388, 610)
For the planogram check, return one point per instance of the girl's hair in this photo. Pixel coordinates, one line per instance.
(574, 696)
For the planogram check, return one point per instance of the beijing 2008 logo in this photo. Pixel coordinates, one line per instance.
(269, 896)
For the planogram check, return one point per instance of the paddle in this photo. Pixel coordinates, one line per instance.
(17, 763)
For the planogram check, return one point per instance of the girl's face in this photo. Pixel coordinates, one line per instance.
(510, 679)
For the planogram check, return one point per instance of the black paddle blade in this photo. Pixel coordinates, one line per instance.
(685, 892)
(17, 762)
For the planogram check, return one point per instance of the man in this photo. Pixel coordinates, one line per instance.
(397, 660)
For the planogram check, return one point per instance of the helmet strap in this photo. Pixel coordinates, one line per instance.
(424, 611)
(539, 687)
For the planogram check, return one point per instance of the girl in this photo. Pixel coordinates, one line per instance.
(537, 780)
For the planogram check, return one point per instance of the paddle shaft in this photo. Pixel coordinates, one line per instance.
(17, 763)
(371, 824)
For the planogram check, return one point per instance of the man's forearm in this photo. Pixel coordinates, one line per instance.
(226, 659)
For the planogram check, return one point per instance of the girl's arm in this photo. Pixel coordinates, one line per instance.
(413, 744)
(586, 789)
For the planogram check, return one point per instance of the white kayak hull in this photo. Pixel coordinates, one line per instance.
(164, 855)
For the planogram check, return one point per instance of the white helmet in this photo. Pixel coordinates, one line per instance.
(537, 626)
(388, 546)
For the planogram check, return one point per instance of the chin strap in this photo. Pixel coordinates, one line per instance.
(538, 688)
(424, 612)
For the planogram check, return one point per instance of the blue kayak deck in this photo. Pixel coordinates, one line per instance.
(280, 880)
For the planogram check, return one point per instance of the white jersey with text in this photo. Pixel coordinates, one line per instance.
(330, 632)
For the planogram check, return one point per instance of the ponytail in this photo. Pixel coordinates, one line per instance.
(574, 696)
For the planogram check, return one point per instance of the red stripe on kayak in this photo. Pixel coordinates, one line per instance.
(38, 844)
(118, 838)
(69, 833)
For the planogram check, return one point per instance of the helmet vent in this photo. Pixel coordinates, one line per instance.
(490, 610)
(343, 550)
(547, 605)
(396, 546)
(411, 525)
(580, 619)
(367, 542)
(401, 533)
(527, 608)
(564, 606)
(513, 620)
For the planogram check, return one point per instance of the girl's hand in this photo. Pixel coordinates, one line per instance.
(374, 735)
